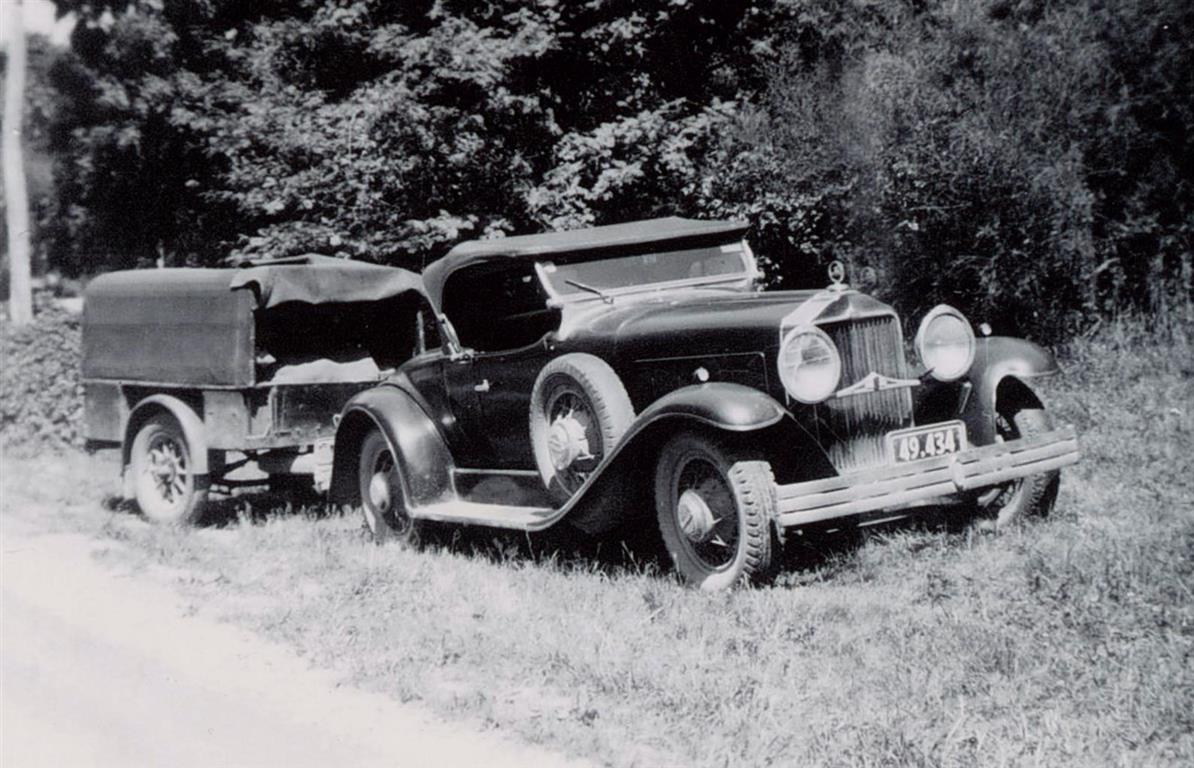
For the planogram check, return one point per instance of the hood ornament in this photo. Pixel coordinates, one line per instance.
(875, 382)
(837, 276)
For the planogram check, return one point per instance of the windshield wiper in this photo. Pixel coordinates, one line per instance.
(584, 287)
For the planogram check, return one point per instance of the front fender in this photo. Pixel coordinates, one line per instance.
(996, 359)
(603, 501)
(732, 407)
(425, 464)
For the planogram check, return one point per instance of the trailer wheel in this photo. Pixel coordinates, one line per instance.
(164, 484)
(380, 486)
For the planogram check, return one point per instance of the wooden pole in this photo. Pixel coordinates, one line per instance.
(16, 195)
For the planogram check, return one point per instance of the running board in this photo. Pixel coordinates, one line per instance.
(492, 515)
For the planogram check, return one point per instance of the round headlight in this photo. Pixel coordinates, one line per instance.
(945, 343)
(809, 365)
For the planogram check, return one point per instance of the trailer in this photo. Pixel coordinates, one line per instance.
(197, 374)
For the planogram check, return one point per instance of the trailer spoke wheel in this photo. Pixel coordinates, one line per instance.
(164, 484)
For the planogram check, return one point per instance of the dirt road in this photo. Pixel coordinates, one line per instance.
(102, 668)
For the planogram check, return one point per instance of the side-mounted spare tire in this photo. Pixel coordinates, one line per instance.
(579, 412)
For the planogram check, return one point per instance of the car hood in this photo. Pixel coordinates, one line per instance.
(707, 322)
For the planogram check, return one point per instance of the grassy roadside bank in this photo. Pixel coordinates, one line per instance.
(1068, 642)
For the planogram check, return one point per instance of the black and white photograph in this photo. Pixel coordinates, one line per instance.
(580, 383)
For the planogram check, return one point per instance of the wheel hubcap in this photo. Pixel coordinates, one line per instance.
(167, 469)
(706, 513)
(696, 518)
(567, 441)
(379, 491)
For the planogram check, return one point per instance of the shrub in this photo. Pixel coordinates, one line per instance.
(41, 396)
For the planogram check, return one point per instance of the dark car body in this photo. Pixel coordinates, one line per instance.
(695, 353)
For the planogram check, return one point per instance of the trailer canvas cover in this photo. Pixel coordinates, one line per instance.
(195, 326)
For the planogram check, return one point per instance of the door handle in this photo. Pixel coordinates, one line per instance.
(482, 387)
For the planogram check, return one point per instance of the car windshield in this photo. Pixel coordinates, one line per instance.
(611, 275)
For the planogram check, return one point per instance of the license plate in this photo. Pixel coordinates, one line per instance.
(926, 442)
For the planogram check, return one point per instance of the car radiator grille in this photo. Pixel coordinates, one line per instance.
(853, 429)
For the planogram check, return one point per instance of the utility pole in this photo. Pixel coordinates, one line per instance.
(16, 196)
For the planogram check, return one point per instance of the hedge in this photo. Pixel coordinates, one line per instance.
(41, 396)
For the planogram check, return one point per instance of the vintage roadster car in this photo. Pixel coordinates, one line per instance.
(587, 377)
(217, 377)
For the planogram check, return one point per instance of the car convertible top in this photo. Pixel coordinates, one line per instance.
(668, 233)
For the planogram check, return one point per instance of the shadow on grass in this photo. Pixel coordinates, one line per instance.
(814, 555)
(250, 506)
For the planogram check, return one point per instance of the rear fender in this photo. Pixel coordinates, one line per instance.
(425, 464)
(1007, 363)
(192, 429)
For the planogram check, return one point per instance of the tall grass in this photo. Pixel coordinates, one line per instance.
(1066, 642)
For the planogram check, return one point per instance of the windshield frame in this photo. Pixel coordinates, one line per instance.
(748, 276)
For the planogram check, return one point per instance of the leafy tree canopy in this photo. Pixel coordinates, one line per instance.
(1027, 160)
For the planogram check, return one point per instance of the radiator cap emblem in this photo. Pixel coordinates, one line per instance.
(837, 274)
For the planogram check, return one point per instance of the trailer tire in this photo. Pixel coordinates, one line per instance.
(164, 483)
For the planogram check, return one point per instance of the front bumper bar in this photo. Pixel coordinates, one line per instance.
(895, 485)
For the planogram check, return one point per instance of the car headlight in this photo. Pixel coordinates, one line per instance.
(809, 364)
(945, 343)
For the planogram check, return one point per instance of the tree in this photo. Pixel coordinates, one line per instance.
(16, 196)
(384, 131)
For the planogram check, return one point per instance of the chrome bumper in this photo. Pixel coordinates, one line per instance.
(895, 485)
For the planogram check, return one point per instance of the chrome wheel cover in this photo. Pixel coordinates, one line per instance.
(573, 437)
(706, 512)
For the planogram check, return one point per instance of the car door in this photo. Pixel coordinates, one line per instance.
(463, 390)
(500, 318)
(503, 382)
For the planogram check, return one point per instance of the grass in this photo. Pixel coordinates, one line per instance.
(1069, 641)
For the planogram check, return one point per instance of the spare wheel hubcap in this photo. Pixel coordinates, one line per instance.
(566, 441)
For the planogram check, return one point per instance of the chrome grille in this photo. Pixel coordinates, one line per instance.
(854, 428)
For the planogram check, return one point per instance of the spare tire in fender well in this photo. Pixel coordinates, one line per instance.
(592, 386)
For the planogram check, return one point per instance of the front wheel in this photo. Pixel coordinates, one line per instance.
(1032, 496)
(380, 488)
(715, 512)
(165, 486)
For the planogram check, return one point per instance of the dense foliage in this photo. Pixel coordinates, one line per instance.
(41, 397)
(1027, 160)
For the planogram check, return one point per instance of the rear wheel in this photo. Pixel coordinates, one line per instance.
(1032, 496)
(715, 512)
(380, 488)
(163, 481)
